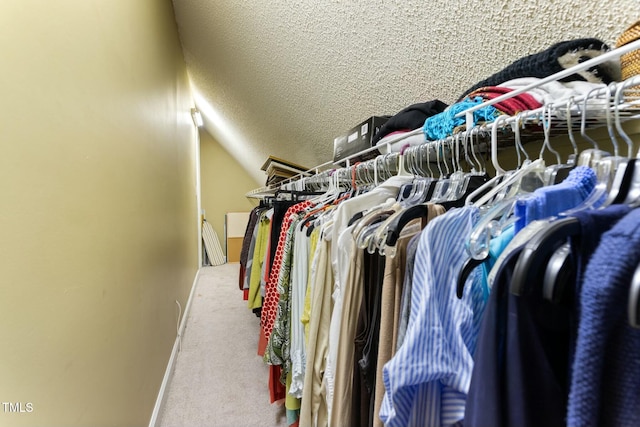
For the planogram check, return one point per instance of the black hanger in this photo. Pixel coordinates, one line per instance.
(561, 267)
(562, 172)
(355, 218)
(632, 195)
(621, 183)
(536, 253)
(469, 265)
(474, 182)
(395, 227)
(634, 299)
(559, 271)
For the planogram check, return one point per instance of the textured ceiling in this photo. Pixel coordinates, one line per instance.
(284, 77)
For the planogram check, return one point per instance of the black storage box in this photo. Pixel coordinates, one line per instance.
(357, 139)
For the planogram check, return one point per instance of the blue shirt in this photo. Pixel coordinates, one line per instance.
(553, 199)
(427, 380)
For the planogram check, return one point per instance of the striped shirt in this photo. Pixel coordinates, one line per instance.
(427, 380)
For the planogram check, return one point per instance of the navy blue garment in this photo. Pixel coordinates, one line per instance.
(523, 360)
(520, 371)
(593, 224)
(605, 386)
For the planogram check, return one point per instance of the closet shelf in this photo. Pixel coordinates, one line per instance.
(616, 103)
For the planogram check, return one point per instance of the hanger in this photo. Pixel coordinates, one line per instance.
(554, 251)
(626, 184)
(633, 307)
(538, 251)
(561, 266)
(555, 174)
(563, 173)
(458, 180)
(475, 132)
(420, 182)
(498, 214)
(588, 156)
(551, 170)
(404, 210)
(443, 180)
(367, 226)
(509, 178)
(602, 163)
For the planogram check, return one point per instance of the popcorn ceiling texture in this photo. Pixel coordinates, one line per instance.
(284, 77)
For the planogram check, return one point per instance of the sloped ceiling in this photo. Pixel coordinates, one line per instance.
(285, 77)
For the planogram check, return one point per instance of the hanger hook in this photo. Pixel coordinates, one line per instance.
(476, 132)
(419, 161)
(607, 112)
(456, 149)
(428, 149)
(412, 161)
(521, 126)
(494, 144)
(570, 128)
(546, 127)
(583, 120)
(621, 132)
(445, 148)
(437, 148)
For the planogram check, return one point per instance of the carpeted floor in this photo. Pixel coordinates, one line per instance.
(219, 380)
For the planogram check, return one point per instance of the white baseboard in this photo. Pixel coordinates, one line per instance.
(168, 373)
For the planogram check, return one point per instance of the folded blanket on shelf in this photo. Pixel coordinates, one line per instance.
(510, 106)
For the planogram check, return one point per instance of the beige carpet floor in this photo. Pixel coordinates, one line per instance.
(218, 379)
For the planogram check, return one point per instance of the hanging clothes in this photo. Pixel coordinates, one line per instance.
(246, 243)
(605, 381)
(362, 327)
(427, 380)
(390, 314)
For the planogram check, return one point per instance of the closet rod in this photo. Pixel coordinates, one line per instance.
(267, 190)
(468, 113)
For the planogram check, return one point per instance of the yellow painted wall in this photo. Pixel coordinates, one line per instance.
(98, 216)
(224, 184)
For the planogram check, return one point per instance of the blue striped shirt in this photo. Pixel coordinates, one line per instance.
(427, 381)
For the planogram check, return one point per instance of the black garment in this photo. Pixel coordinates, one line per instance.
(410, 118)
(546, 63)
(246, 242)
(520, 374)
(279, 209)
(366, 342)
